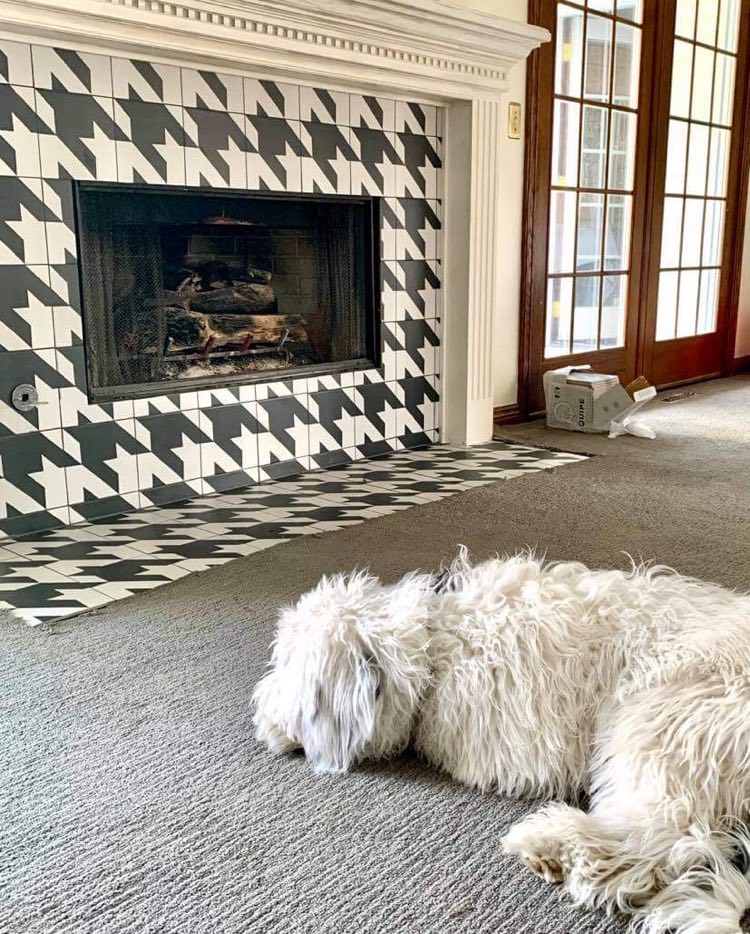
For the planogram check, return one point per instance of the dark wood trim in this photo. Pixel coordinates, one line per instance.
(739, 365)
(507, 415)
(531, 145)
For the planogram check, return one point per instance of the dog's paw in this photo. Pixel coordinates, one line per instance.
(540, 851)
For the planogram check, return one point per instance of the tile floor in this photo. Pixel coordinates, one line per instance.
(59, 573)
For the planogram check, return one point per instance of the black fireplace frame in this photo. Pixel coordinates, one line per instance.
(372, 296)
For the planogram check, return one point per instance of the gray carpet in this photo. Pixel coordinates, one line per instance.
(134, 799)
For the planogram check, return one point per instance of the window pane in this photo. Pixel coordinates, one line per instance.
(593, 147)
(627, 64)
(590, 222)
(697, 159)
(622, 149)
(586, 315)
(717, 164)
(705, 29)
(614, 299)
(676, 157)
(562, 231)
(604, 6)
(728, 25)
(682, 68)
(671, 233)
(617, 232)
(712, 233)
(708, 302)
(598, 58)
(687, 304)
(692, 232)
(569, 51)
(685, 19)
(630, 9)
(559, 313)
(723, 89)
(666, 311)
(703, 80)
(565, 143)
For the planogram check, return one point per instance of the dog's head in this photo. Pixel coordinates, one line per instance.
(348, 669)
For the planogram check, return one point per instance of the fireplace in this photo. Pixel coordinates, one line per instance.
(183, 288)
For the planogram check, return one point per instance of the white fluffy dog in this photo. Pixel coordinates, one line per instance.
(547, 680)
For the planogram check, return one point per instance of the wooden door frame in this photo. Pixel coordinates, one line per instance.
(539, 73)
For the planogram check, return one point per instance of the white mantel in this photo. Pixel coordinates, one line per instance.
(424, 49)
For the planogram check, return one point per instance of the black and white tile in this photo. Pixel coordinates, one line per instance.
(55, 574)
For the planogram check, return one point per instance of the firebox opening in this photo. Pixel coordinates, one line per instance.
(184, 288)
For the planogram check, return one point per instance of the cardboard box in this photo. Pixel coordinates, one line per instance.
(578, 399)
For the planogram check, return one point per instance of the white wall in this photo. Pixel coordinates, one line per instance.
(506, 324)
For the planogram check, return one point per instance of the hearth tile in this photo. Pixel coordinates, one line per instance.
(37, 522)
(77, 137)
(64, 280)
(218, 156)
(174, 492)
(19, 132)
(160, 405)
(233, 431)
(26, 318)
(377, 113)
(391, 220)
(75, 408)
(418, 119)
(379, 404)
(284, 468)
(335, 458)
(23, 239)
(318, 105)
(284, 429)
(419, 341)
(274, 162)
(105, 507)
(271, 99)
(36, 368)
(419, 236)
(374, 162)
(62, 241)
(421, 406)
(77, 72)
(15, 63)
(228, 395)
(232, 480)
(420, 159)
(151, 144)
(327, 158)
(210, 90)
(105, 456)
(144, 81)
(333, 425)
(421, 281)
(32, 475)
(173, 442)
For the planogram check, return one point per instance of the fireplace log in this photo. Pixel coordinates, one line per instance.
(239, 299)
(192, 329)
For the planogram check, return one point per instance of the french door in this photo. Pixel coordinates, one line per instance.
(634, 179)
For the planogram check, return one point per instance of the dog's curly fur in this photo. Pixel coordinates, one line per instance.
(546, 680)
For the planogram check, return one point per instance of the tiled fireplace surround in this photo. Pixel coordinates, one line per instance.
(67, 115)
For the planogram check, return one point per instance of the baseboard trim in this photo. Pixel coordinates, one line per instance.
(741, 364)
(507, 414)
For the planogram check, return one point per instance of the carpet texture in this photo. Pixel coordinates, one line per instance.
(135, 801)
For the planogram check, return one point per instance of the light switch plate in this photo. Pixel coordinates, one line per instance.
(514, 120)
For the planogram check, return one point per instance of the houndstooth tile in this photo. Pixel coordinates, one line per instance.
(417, 284)
(217, 155)
(417, 119)
(376, 113)
(62, 243)
(418, 236)
(77, 136)
(283, 437)
(23, 239)
(39, 369)
(26, 312)
(76, 72)
(151, 142)
(318, 105)
(419, 162)
(271, 99)
(334, 423)
(144, 81)
(233, 430)
(33, 474)
(274, 160)
(327, 157)
(210, 90)
(105, 456)
(375, 162)
(173, 448)
(15, 63)
(19, 132)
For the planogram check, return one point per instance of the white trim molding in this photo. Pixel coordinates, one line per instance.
(424, 50)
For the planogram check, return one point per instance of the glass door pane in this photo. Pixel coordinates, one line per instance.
(699, 136)
(595, 116)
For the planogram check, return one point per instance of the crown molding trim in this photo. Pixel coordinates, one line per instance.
(423, 47)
